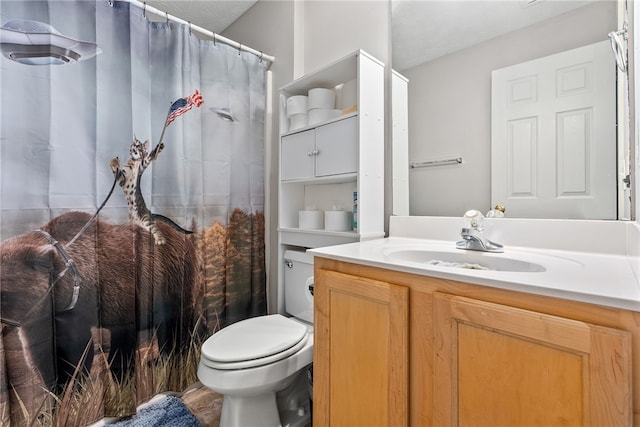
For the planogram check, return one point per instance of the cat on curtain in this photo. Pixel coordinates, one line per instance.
(129, 179)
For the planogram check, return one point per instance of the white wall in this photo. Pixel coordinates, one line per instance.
(450, 108)
(333, 29)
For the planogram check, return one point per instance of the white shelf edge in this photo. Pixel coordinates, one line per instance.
(331, 179)
(315, 238)
(317, 125)
(320, 232)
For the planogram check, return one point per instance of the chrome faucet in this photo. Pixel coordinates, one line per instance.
(472, 237)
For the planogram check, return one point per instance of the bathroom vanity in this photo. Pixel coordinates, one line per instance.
(398, 343)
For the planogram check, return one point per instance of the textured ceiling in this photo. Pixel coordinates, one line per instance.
(422, 30)
(212, 15)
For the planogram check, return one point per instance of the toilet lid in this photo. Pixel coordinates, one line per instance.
(254, 342)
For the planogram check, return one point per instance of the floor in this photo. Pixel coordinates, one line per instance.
(205, 404)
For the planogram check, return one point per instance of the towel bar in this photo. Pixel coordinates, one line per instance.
(456, 160)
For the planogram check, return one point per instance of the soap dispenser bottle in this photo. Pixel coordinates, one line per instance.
(497, 212)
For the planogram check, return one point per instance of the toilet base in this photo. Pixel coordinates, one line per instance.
(248, 411)
(289, 407)
(294, 402)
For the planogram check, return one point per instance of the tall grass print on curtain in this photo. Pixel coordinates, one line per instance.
(98, 314)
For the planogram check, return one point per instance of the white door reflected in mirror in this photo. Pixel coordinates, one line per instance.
(553, 127)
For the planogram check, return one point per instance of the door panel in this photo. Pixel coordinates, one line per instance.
(497, 365)
(553, 136)
(360, 351)
(297, 156)
(337, 148)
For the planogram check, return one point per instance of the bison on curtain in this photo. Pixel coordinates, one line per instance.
(97, 317)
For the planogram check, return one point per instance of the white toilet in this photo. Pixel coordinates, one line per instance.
(261, 365)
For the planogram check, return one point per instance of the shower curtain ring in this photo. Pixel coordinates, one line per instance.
(167, 14)
(144, 10)
(110, 3)
(189, 23)
(214, 39)
(261, 55)
(239, 48)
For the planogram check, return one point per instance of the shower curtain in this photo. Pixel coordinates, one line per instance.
(97, 314)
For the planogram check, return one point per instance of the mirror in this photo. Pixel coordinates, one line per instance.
(447, 51)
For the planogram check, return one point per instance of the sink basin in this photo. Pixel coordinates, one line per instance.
(465, 259)
(509, 261)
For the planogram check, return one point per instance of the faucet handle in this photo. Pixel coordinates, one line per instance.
(473, 219)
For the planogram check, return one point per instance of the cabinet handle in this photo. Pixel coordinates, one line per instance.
(316, 151)
(310, 153)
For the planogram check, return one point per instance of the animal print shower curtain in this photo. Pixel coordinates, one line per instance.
(162, 134)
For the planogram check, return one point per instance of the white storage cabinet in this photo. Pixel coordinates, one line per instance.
(323, 165)
(327, 150)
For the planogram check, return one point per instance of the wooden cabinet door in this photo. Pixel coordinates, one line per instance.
(360, 351)
(497, 365)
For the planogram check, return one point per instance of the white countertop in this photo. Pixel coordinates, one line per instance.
(607, 278)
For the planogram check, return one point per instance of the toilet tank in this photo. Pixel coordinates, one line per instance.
(298, 276)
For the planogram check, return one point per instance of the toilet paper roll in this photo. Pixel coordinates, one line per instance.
(348, 95)
(337, 221)
(284, 121)
(321, 98)
(310, 220)
(319, 115)
(298, 121)
(296, 105)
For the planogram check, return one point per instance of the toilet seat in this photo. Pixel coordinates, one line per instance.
(254, 342)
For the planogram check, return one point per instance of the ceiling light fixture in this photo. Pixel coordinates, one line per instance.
(38, 43)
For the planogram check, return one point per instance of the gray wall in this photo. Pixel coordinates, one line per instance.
(450, 107)
(334, 29)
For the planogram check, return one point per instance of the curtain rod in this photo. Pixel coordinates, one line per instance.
(216, 37)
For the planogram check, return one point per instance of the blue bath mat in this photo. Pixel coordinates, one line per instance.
(162, 411)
